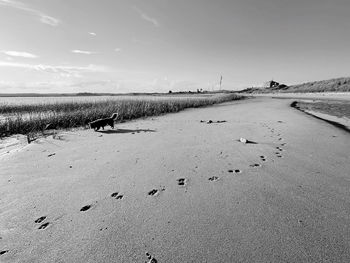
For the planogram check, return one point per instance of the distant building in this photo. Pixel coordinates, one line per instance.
(273, 84)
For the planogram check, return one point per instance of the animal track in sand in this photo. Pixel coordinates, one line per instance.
(235, 171)
(116, 195)
(40, 219)
(278, 154)
(181, 181)
(255, 165)
(43, 226)
(85, 208)
(153, 192)
(4, 252)
(150, 258)
(213, 178)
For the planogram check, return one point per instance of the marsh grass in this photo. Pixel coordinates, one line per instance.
(34, 118)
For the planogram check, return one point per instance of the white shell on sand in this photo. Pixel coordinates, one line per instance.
(243, 140)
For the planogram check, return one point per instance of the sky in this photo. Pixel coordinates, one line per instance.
(60, 46)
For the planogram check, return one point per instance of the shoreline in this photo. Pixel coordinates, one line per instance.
(339, 122)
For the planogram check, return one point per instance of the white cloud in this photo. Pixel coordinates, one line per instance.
(64, 71)
(85, 52)
(18, 54)
(49, 20)
(147, 18)
(117, 49)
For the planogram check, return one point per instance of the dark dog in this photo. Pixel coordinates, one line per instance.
(97, 124)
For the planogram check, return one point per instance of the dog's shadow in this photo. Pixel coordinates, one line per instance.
(116, 131)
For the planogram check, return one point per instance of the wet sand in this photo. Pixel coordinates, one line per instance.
(334, 111)
(183, 190)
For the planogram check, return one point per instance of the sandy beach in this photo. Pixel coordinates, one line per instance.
(182, 190)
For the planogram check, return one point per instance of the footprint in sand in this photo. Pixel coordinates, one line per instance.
(153, 192)
(235, 171)
(85, 208)
(278, 154)
(40, 219)
(181, 181)
(43, 226)
(150, 258)
(116, 195)
(255, 165)
(213, 178)
(263, 158)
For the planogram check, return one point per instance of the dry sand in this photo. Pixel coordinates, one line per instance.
(289, 201)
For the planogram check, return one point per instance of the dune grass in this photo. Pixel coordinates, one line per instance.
(25, 119)
(331, 85)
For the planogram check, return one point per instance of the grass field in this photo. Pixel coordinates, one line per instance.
(31, 118)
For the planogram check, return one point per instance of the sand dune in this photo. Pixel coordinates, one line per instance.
(183, 190)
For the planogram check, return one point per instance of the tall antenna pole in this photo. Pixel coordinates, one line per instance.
(220, 82)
